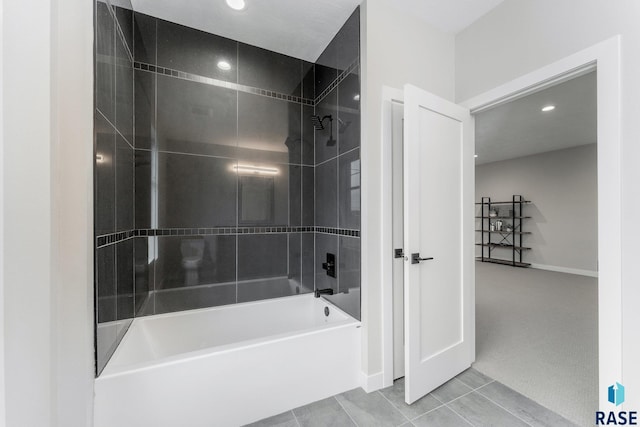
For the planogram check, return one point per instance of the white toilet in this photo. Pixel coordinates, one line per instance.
(192, 251)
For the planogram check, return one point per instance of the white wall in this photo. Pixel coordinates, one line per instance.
(27, 212)
(47, 228)
(520, 36)
(562, 185)
(397, 49)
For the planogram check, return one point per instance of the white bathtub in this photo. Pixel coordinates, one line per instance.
(228, 366)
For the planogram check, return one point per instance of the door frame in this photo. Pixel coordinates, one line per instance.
(605, 58)
(389, 96)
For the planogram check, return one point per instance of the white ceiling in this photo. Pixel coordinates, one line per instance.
(450, 16)
(300, 28)
(519, 128)
(297, 28)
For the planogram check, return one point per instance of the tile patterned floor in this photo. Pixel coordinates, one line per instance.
(470, 399)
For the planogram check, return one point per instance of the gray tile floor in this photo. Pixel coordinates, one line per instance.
(470, 399)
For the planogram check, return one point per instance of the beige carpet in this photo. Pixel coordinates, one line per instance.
(536, 332)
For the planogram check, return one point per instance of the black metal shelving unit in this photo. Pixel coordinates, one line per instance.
(507, 240)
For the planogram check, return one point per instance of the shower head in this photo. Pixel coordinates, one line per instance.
(318, 123)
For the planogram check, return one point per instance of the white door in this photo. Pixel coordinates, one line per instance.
(438, 237)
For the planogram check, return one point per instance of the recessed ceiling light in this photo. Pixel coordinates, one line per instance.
(548, 108)
(224, 65)
(356, 97)
(236, 4)
(475, 156)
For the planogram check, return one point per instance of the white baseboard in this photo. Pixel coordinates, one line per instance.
(371, 383)
(578, 271)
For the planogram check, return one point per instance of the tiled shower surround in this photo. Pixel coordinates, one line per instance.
(212, 187)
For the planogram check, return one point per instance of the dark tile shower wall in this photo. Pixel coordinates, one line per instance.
(113, 177)
(182, 218)
(218, 232)
(337, 161)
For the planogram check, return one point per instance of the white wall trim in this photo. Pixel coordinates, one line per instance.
(2, 391)
(389, 95)
(72, 106)
(607, 56)
(568, 270)
(365, 255)
(372, 382)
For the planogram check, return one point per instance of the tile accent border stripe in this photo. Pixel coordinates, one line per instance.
(220, 83)
(113, 238)
(354, 66)
(110, 239)
(338, 231)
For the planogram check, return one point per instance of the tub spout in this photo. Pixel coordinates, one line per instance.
(327, 291)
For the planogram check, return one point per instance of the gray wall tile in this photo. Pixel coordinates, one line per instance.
(326, 194)
(105, 177)
(124, 16)
(349, 194)
(308, 196)
(295, 259)
(349, 113)
(308, 136)
(143, 268)
(349, 264)
(269, 70)
(106, 283)
(308, 80)
(326, 140)
(124, 185)
(348, 41)
(196, 118)
(124, 274)
(142, 190)
(195, 191)
(262, 256)
(308, 262)
(145, 37)
(105, 62)
(124, 92)
(145, 109)
(217, 265)
(194, 51)
(268, 129)
(191, 298)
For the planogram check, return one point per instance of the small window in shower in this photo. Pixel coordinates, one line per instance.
(256, 200)
(355, 186)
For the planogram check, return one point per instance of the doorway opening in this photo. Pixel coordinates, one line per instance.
(536, 268)
(605, 57)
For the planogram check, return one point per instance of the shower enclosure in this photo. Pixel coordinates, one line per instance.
(212, 186)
